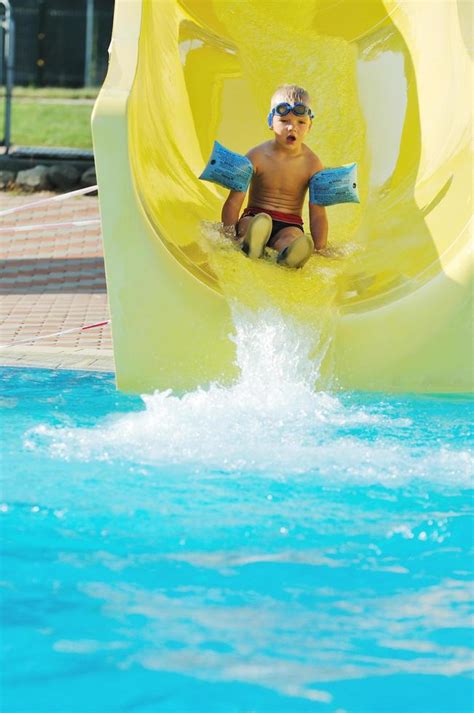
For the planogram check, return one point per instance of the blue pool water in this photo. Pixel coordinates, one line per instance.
(255, 548)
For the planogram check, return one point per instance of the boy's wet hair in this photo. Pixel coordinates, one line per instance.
(290, 93)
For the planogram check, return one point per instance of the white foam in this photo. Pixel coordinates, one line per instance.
(272, 420)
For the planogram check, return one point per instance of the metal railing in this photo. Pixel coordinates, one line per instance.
(7, 57)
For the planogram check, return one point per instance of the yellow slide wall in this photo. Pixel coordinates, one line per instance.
(391, 87)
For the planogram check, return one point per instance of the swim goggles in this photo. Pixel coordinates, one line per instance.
(284, 108)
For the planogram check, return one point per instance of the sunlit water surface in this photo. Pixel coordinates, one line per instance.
(255, 548)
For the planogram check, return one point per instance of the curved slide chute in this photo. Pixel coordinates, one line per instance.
(391, 91)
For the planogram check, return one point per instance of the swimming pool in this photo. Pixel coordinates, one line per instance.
(259, 547)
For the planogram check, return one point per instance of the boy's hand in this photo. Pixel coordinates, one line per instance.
(230, 232)
(329, 251)
(324, 252)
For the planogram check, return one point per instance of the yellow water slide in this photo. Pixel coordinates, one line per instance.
(391, 88)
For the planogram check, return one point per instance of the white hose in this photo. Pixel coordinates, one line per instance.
(68, 223)
(43, 201)
(55, 334)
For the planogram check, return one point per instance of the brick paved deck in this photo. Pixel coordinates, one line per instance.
(53, 279)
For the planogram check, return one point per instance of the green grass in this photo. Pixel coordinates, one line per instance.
(53, 92)
(38, 121)
(49, 124)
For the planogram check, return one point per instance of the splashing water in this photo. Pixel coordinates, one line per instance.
(270, 420)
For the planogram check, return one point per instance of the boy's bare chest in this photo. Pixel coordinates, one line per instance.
(290, 175)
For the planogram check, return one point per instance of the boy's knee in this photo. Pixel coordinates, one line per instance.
(242, 226)
(285, 237)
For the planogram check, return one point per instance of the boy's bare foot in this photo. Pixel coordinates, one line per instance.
(297, 253)
(257, 235)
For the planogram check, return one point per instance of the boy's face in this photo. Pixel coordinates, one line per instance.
(290, 130)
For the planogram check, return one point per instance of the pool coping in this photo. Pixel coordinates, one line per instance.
(59, 358)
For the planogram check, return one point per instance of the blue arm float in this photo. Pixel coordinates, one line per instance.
(334, 185)
(228, 169)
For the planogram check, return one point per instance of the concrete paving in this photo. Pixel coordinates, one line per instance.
(53, 280)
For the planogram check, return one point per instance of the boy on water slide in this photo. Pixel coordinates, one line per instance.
(282, 169)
